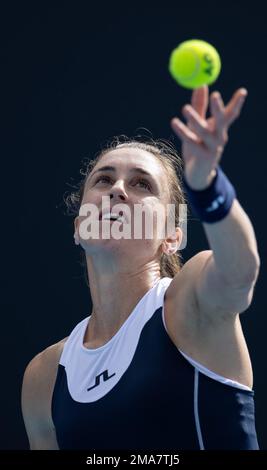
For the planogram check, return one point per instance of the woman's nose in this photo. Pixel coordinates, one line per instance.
(118, 191)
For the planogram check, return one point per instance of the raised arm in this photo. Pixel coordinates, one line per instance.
(224, 276)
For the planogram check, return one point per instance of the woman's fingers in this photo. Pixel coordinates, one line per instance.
(233, 108)
(218, 112)
(200, 126)
(183, 131)
(200, 100)
(217, 108)
(213, 131)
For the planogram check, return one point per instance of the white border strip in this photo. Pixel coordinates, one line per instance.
(199, 434)
(205, 371)
(213, 375)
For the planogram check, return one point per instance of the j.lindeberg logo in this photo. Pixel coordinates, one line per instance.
(97, 379)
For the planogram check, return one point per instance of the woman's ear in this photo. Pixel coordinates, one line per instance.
(172, 243)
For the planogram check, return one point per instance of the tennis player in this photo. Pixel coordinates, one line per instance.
(161, 361)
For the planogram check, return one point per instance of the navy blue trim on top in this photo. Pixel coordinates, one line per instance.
(152, 405)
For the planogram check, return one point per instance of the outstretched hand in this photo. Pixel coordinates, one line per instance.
(203, 139)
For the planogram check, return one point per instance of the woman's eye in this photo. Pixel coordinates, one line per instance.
(140, 181)
(147, 185)
(105, 178)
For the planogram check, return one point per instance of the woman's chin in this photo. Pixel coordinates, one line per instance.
(108, 244)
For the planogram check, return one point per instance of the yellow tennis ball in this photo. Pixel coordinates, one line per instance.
(194, 63)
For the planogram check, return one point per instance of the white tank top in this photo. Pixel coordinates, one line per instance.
(84, 365)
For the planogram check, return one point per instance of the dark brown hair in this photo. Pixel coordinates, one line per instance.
(166, 153)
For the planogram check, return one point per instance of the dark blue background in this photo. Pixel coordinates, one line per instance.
(72, 76)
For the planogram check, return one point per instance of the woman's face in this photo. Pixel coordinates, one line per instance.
(130, 179)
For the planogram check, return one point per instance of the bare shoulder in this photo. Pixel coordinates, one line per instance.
(181, 289)
(37, 389)
(181, 306)
(217, 341)
(41, 370)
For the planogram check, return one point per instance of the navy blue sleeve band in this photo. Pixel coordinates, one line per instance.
(214, 202)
